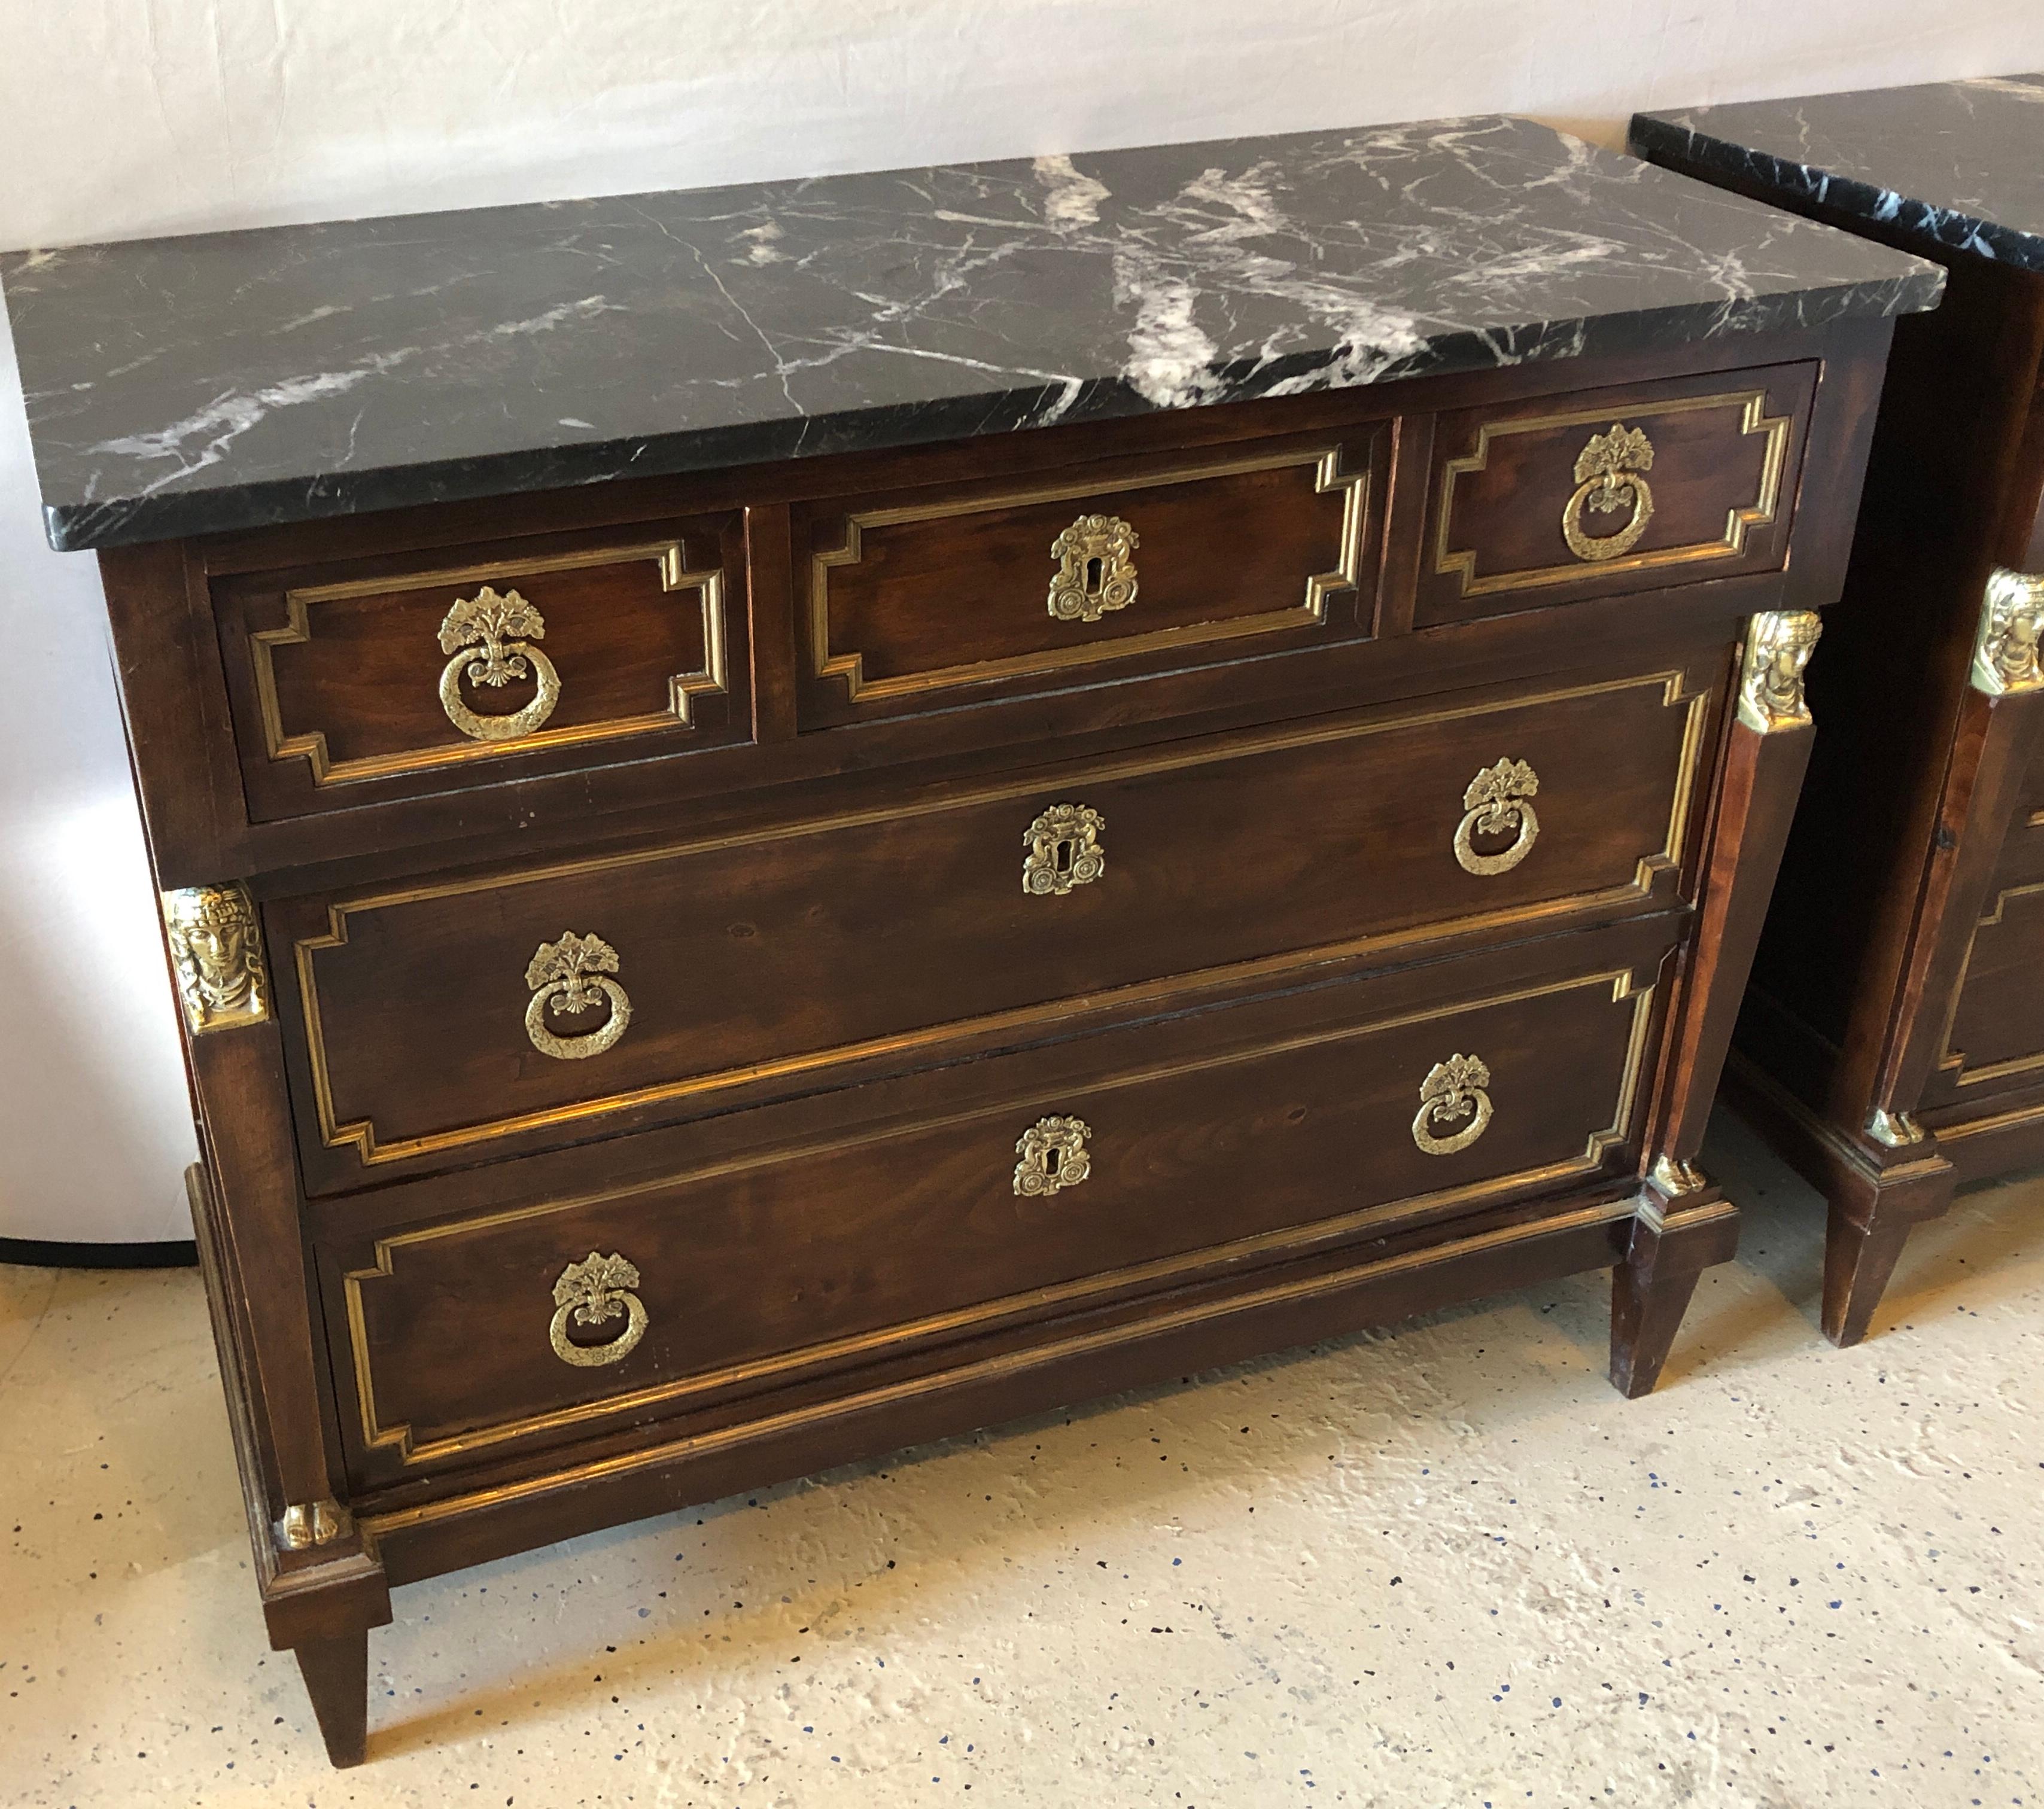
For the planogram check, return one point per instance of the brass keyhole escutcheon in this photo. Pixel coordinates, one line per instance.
(1456, 1089)
(1096, 571)
(490, 640)
(1499, 799)
(591, 1293)
(1610, 473)
(572, 976)
(1064, 850)
(1053, 1157)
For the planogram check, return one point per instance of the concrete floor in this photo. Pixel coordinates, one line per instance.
(1439, 1565)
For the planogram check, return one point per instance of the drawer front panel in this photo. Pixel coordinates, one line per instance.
(921, 601)
(1996, 1037)
(1323, 1117)
(466, 667)
(2022, 852)
(673, 981)
(1617, 490)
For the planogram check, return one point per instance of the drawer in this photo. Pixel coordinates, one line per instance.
(379, 679)
(1170, 1152)
(478, 1014)
(2023, 854)
(1996, 1039)
(1564, 497)
(921, 600)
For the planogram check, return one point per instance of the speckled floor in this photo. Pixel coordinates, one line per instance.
(1440, 1566)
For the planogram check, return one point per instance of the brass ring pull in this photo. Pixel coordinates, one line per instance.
(1609, 468)
(588, 1292)
(1455, 1089)
(1096, 569)
(1498, 799)
(1064, 850)
(570, 976)
(490, 638)
(1053, 1152)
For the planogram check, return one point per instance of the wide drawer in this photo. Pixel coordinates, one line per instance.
(1005, 1196)
(481, 1015)
(392, 676)
(926, 598)
(1628, 488)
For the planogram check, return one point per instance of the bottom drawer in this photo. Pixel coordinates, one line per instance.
(1004, 1192)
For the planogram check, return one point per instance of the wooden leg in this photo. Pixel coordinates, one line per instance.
(1644, 1311)
(1675, 1239)
(336, 1674)
(1858, 1261)
(1876, 1192)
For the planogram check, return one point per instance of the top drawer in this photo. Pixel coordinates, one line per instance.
(402, 675)
(920, 600)
(1636, 486)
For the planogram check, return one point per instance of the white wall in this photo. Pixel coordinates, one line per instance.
(125, 117)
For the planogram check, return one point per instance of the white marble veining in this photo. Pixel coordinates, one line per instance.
(1954, 165)
(225, 380)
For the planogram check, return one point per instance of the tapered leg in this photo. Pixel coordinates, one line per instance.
(1877, 1192)
(1858, 1262)
(336, 1674)
(1644, 1311)
(1675, 1238)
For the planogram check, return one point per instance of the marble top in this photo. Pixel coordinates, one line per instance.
(1958, 165)
(222, 381)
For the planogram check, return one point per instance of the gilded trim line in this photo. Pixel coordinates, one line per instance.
(1158, 1272)
(849, 665)
(1952, 1062)
(1739, 521)
(373, 1151)
(310, 746)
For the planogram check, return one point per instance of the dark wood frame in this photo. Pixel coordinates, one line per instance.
(1656, 1225)
(1913, 790)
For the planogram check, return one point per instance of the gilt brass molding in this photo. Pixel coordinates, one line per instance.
(1051, 1156)
(1895, 1129)
(1455, 1089)
(1675, 1177)
(2006, 658)
(1096, 571)
(572, 976)
(282, 744)
(215, 946)
(1778, 644)
(1951, 1062)
(1612, 468)
(1619, 984)
(307, 1525)
(1740, 520)
(1498, 799)
(1330, 476)
(374, 1150)
(590, 1292)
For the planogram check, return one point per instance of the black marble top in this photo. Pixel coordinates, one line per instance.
(1957, 165)
(222, 381)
